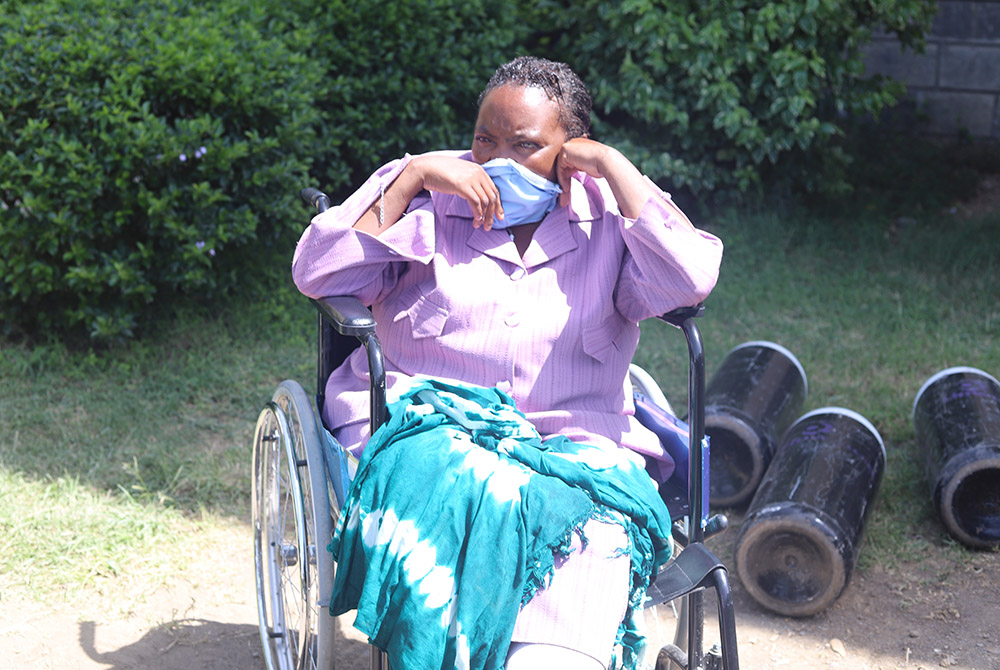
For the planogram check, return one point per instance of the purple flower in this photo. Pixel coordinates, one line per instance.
(200, 245)
(201, 151)
(182, 158)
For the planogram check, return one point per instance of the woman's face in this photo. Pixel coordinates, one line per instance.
(520, 123)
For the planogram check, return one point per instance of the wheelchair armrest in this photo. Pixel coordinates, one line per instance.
(347, 315)
(682, 314)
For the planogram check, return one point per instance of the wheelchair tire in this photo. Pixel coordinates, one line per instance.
(643, 382)
(292, 521)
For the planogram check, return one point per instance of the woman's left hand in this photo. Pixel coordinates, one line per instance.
(580, 155)
(631, 189)
(598, 160)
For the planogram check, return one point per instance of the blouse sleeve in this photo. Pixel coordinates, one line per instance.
(332, 258)
(668, 264)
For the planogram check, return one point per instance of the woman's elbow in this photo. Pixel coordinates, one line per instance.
(703, 278)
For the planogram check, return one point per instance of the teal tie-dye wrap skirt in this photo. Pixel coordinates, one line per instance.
(454, 519)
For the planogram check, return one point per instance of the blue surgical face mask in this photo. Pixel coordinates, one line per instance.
(526, 197)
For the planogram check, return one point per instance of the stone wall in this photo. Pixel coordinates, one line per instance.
(956, 81)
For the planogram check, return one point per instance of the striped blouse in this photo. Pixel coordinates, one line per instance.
(555, 330)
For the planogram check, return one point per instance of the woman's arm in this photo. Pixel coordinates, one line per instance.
(356, 248)
(434, 172)
(669, 263)
(631, 189)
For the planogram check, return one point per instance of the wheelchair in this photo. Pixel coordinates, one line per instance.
(301, 476)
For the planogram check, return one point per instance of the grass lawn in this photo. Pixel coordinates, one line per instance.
(112, 463)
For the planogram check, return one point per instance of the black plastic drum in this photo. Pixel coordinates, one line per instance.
(956, 415)
(799, 541)
(752, 398)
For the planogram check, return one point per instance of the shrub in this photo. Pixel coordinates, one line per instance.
(727, 94)
(403, 76)
(147, 151)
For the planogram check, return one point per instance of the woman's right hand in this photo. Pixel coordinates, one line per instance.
(467, 180)
(434, 172)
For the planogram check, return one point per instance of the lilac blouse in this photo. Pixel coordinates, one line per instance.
(556, 329)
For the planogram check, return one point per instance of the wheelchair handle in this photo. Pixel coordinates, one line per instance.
(315, 198)
(684, 318)
(678, 316)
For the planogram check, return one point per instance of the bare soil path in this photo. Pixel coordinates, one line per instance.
(930, 618)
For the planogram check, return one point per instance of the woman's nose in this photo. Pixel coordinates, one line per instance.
(502, 151)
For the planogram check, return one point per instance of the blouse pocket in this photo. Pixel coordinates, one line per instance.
(600, 340)
(427, 317)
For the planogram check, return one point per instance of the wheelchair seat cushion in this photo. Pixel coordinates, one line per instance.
(457, 514)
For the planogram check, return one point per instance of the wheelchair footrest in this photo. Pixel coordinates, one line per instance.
(692, 568)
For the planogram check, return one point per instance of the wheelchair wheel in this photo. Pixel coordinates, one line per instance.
(292, 521)
(643, 382)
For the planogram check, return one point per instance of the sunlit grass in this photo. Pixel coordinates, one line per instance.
(118, 468)
(168, 419)
(101, 553)
(65, 528)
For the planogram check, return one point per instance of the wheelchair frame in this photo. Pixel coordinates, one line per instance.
(301, 477)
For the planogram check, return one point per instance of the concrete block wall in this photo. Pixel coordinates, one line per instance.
(956, 81)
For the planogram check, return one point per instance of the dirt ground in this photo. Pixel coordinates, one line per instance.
(929, 619)
(937, 616)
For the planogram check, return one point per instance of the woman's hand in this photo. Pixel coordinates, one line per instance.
(580, 155)
(434, 172)
(467, 180)
(631, 189)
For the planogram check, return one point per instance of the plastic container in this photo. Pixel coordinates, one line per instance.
(798, 544)
(756, 393)
(956, 415)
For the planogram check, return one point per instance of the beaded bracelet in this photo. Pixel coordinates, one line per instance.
(381, 204)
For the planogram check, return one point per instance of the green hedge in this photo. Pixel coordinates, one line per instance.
(152, 151)
(148, 151)
(403, 77)
(730, 95)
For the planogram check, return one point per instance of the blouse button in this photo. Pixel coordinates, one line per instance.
(518, 273)
(512, 320)
(504, 386)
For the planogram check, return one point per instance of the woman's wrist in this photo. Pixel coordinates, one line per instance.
(391, 201)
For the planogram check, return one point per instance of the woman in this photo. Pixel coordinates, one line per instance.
(524, 265)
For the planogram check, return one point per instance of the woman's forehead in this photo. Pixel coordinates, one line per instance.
(517, 107)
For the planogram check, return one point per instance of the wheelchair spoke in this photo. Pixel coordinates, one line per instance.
(290, 587)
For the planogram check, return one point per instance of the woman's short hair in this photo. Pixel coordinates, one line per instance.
(558, 81)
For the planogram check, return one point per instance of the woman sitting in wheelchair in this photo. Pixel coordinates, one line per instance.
(510, 276)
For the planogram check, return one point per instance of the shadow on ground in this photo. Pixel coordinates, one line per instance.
(184, 644)
(197, 644)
